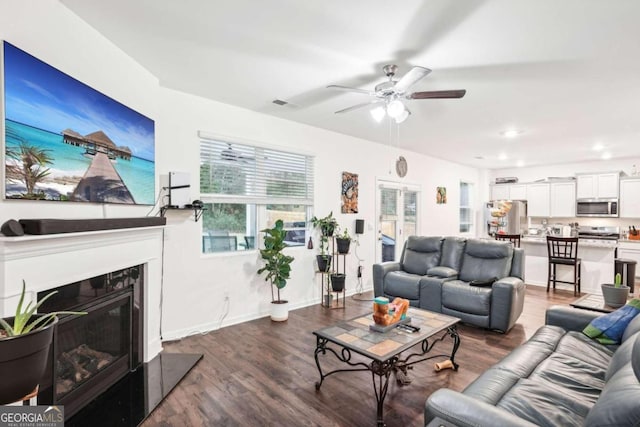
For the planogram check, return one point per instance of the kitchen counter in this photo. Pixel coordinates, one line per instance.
(588, 243)
(597, 263)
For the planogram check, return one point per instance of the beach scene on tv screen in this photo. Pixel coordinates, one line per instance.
(65, 141)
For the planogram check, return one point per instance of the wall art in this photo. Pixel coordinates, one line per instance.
(441, 195)
(65, 141)
(349, 192)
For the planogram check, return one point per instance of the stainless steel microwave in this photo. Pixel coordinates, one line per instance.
(597, 207)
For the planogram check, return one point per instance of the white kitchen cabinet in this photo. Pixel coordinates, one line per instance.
(517, 192)
(538, 200)
(563, 199)
(500, 192)
(509, 192)
(630, 198)
(598, 185)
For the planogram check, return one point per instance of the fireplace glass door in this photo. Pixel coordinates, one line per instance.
(91, 350)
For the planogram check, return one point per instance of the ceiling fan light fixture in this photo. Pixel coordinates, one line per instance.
(395, 108)
(378, 114)
(403, 116)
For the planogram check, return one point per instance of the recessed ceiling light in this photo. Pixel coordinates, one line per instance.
(606, 155)
(598, 147)
(479, 158)
(511, 133)
(502, 156)
(520, 163)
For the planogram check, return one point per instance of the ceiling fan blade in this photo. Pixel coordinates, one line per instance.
(409, 79)
(355, 107)
(436, 94)
(351, 89)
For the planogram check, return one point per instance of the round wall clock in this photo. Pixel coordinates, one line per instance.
(401, 167)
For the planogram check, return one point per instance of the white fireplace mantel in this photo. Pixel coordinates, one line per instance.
(48, 261)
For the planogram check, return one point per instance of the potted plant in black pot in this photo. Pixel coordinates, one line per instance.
(278, 268)
(24, 347)
(343, 241)
(327, 226)
(337, 281)
(615, 295)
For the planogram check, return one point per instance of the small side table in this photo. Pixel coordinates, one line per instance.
(592, 302)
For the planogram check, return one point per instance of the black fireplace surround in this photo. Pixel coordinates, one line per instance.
(90, 353)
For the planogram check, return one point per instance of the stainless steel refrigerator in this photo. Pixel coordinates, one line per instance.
(506, 216)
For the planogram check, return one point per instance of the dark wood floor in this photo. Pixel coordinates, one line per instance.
(263, 373)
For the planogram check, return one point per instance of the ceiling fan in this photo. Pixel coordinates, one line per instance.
(229, 154)
(389, 95)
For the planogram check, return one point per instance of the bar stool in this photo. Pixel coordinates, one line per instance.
(563, 251)
(513, 238)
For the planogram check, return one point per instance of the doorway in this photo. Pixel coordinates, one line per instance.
(397, 214)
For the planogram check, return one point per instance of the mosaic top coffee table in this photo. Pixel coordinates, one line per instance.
(384, 349)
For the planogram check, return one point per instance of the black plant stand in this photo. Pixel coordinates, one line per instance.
(325, 283)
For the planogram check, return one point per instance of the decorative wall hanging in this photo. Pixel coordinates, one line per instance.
(401, 167)
(65, 141)
(349, 192)
(441, 195)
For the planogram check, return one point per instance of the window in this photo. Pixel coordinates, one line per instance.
(247, 188)
(466, 212)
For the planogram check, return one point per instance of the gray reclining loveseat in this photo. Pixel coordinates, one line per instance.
(559, 377)
(437, 273)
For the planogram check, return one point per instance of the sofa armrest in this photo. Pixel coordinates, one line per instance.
(461, 410)
(379, 271)
(570, 318)
(507, 302)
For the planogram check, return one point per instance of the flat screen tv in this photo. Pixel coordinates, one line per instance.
(68, 142)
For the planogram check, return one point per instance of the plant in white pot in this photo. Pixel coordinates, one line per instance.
(615, 295)
(278, 268)
(24, 347)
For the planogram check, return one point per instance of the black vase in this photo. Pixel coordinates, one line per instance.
(23, 360)
(343, 245)
(324, 262)
(337, 282)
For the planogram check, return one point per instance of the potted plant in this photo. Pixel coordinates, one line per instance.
(24, 347)
(327, 226)
(337, 281)
(343, 241)
(615, 295)
(278, 268)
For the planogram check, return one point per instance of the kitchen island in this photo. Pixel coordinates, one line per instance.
(597, 263)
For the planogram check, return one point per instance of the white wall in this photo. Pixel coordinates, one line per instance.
(206, 277)
(193, 283)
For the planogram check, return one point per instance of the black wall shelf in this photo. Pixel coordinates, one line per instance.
(197, 212)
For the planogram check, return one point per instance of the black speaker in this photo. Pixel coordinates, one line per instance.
(12, 228)
(359, 226)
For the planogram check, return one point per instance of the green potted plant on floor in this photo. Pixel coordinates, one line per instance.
(278, 268)
(24, 347)
(327, 226)
(615, 295)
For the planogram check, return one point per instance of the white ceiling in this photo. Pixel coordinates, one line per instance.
(566, 72)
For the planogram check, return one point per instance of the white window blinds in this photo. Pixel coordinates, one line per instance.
(251, 174)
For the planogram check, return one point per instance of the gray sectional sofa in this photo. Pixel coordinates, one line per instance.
(559, 377)
(435, 273)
